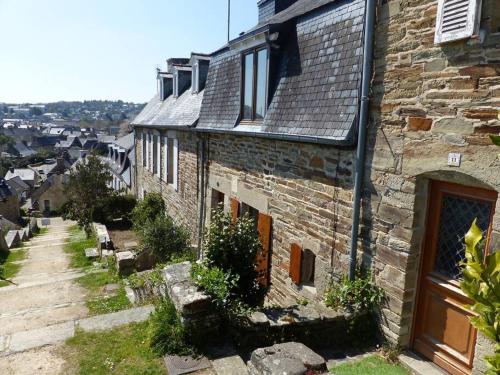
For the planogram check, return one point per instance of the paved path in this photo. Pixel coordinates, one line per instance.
(46, 306)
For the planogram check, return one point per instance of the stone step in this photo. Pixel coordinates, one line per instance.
(230, 365)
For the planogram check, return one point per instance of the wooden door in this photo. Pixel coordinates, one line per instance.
(442, 330)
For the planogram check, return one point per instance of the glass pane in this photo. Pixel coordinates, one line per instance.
(260, 101)
(248, 89)
(457, 215)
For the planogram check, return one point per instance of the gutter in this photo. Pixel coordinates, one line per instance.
(363, 123)
(346, 142)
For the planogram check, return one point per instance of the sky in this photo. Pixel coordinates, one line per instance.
(54, 50)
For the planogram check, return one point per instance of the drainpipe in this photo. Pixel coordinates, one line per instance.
(202, 197)
(363, 122)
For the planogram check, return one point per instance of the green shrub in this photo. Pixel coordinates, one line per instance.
(167, 335)
(232, 247)
(360, 295)
(481, 283)
(147, 210)
(116, 206)
(163, 238)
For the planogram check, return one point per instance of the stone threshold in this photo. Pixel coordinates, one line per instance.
(418, 365)
(56, 333)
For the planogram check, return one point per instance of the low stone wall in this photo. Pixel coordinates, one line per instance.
(313, 326)
(193, 305)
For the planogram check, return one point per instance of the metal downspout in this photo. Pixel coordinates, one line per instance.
(202, 197)
(363, 122)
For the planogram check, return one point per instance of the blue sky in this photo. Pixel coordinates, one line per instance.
(105, 49)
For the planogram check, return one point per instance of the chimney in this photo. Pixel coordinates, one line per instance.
(11, 169)
(268, 8)
(60, 164)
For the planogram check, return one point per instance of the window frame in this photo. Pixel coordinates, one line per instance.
(195, 78)
(255, 51)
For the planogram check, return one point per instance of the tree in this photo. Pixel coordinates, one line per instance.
(85, 190)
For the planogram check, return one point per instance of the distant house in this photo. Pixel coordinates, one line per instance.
(121, 162)
(49, 195)
(28, 175)
(9, 203)
(20, 150)
(21, 188)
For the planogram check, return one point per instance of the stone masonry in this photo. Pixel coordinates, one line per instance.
(428, 101)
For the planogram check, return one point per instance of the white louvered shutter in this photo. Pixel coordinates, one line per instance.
(456, 19)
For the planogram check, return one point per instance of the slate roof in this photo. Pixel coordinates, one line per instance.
(319, 72)
(18, 185)
(22, 150)
(221, 101)
(26, 174)
(171, 112)
(126, 142)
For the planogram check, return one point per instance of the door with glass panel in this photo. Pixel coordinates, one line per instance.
(442, 331)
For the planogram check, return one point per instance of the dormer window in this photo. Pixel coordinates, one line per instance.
(254, 84)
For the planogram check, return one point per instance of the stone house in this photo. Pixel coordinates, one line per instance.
(121, 163)
(270, 133)
(167, 150)
(280, 130)
(431, 168)
(9, 203)
(49, 195)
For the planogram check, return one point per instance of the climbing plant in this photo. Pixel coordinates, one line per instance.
(481, 283)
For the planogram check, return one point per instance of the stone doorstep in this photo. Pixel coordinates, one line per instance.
(286, 358)
(419, 366)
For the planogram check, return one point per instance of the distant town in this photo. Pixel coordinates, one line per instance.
(39, 143)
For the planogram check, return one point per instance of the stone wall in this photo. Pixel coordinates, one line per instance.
(183, 203)
(305, 188)
(429, 100)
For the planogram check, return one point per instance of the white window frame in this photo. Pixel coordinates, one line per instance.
(471, 27)
(150, 151)
(195, 78)
(175, 84)
(158, 156)
(176, 163)
(165, 158)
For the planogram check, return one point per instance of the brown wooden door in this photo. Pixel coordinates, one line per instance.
(442, 330)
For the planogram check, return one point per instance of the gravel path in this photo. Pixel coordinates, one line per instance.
(45, 295)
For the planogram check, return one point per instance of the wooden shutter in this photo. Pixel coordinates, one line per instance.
(295, 263)
(456, 19)
(262, 265)
(235, 209)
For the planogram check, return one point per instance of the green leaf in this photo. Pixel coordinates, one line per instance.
(495, 139)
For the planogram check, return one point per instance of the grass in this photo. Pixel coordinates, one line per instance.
(124, 350)
(78, 242)
(9, 268)
(41, 231)
(372, 365)
(98, 302)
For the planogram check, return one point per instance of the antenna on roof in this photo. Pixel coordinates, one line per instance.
(228, 18)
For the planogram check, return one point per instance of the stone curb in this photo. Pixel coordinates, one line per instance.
(56, 333)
